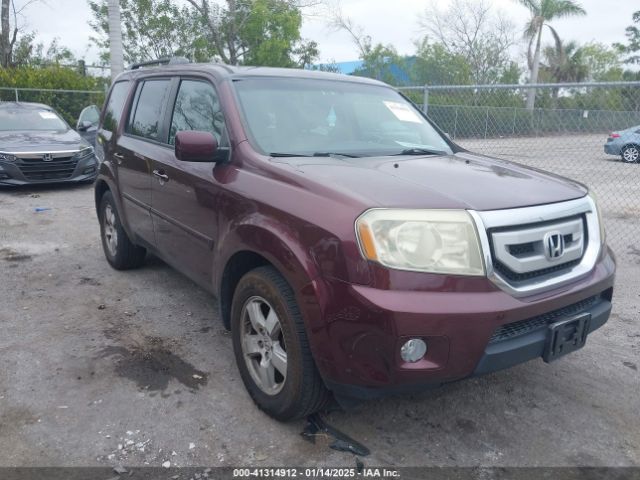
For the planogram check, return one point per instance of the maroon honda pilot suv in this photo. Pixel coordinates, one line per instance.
(354, 249)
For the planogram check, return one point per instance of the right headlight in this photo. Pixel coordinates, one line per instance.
(434, 241)
(85, 152)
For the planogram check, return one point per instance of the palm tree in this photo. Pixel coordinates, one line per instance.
(542, 12)
(115, 39)
(564, 62)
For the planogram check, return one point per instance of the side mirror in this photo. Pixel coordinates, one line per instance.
(84, 125)
(194, 146)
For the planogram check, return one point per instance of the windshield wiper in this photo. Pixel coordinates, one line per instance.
(285, 155)
(420, 151)
(335, 154)
(317, 154)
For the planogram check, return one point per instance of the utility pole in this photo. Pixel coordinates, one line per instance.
(115, 39)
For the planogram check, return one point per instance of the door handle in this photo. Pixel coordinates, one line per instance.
(161, 176)
(119, 157)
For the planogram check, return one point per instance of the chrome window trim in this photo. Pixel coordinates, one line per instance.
(486, 220)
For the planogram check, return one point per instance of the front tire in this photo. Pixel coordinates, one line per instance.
(120, 251)
(271, 347)
(630, 154)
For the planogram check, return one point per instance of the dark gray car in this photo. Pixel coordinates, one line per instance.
(625, 143)
(38, 146)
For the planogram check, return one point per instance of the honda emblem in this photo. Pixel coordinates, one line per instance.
(47, 157)
(553, 245)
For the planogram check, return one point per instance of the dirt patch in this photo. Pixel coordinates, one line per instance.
(10, 255)
(89, 281)
(17, 417)
(151, 366)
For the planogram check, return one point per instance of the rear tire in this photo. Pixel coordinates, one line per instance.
(120, 251)
(271, 347)
(630, 154)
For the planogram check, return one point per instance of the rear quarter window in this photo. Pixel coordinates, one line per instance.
(115, 106)
(145, 119)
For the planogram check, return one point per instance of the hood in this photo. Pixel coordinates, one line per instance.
(461, 181)
(36, 141)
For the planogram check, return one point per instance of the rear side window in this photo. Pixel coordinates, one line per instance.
(115, 105)
(145, 119)
(197, 108)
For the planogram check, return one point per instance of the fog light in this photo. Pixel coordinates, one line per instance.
(413, 350)
(89, 170)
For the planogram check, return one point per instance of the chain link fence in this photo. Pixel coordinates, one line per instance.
(565, 133)
(69, 103)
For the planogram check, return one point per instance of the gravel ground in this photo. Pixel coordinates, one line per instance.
(105, 368)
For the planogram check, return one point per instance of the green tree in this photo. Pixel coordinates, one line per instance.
(152, 29)
(27, 52)
(15, 44)
(269, 34)
(604, 62)
(258, 32)
(435, 65)
(381, 62)
(632, 48)
(564, 62)
(543, 12)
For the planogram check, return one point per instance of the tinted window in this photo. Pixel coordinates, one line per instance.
(115, 105)
(151, 95)
(15, 119)
(197, 108)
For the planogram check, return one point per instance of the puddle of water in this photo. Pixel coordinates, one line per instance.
(153, 367)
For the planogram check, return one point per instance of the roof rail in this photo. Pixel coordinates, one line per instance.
(160, 61)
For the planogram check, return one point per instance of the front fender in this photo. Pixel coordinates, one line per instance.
(274, 241)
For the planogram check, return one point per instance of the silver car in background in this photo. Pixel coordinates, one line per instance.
(625, 143)
(38, 146)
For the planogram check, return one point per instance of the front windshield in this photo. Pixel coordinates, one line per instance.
(19, 119)
(311, 117)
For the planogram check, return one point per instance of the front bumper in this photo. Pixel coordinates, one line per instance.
(356, 342)
(16, 173)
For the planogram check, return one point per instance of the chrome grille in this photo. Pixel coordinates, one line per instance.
(522, 253)
(490, 222)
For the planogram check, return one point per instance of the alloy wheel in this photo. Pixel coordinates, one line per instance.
(263, 346)
(631, 154)
(110, 230)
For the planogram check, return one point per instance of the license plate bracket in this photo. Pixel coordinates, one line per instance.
(566, 336)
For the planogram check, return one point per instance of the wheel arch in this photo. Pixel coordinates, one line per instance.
(254, 246)
(101, 187)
